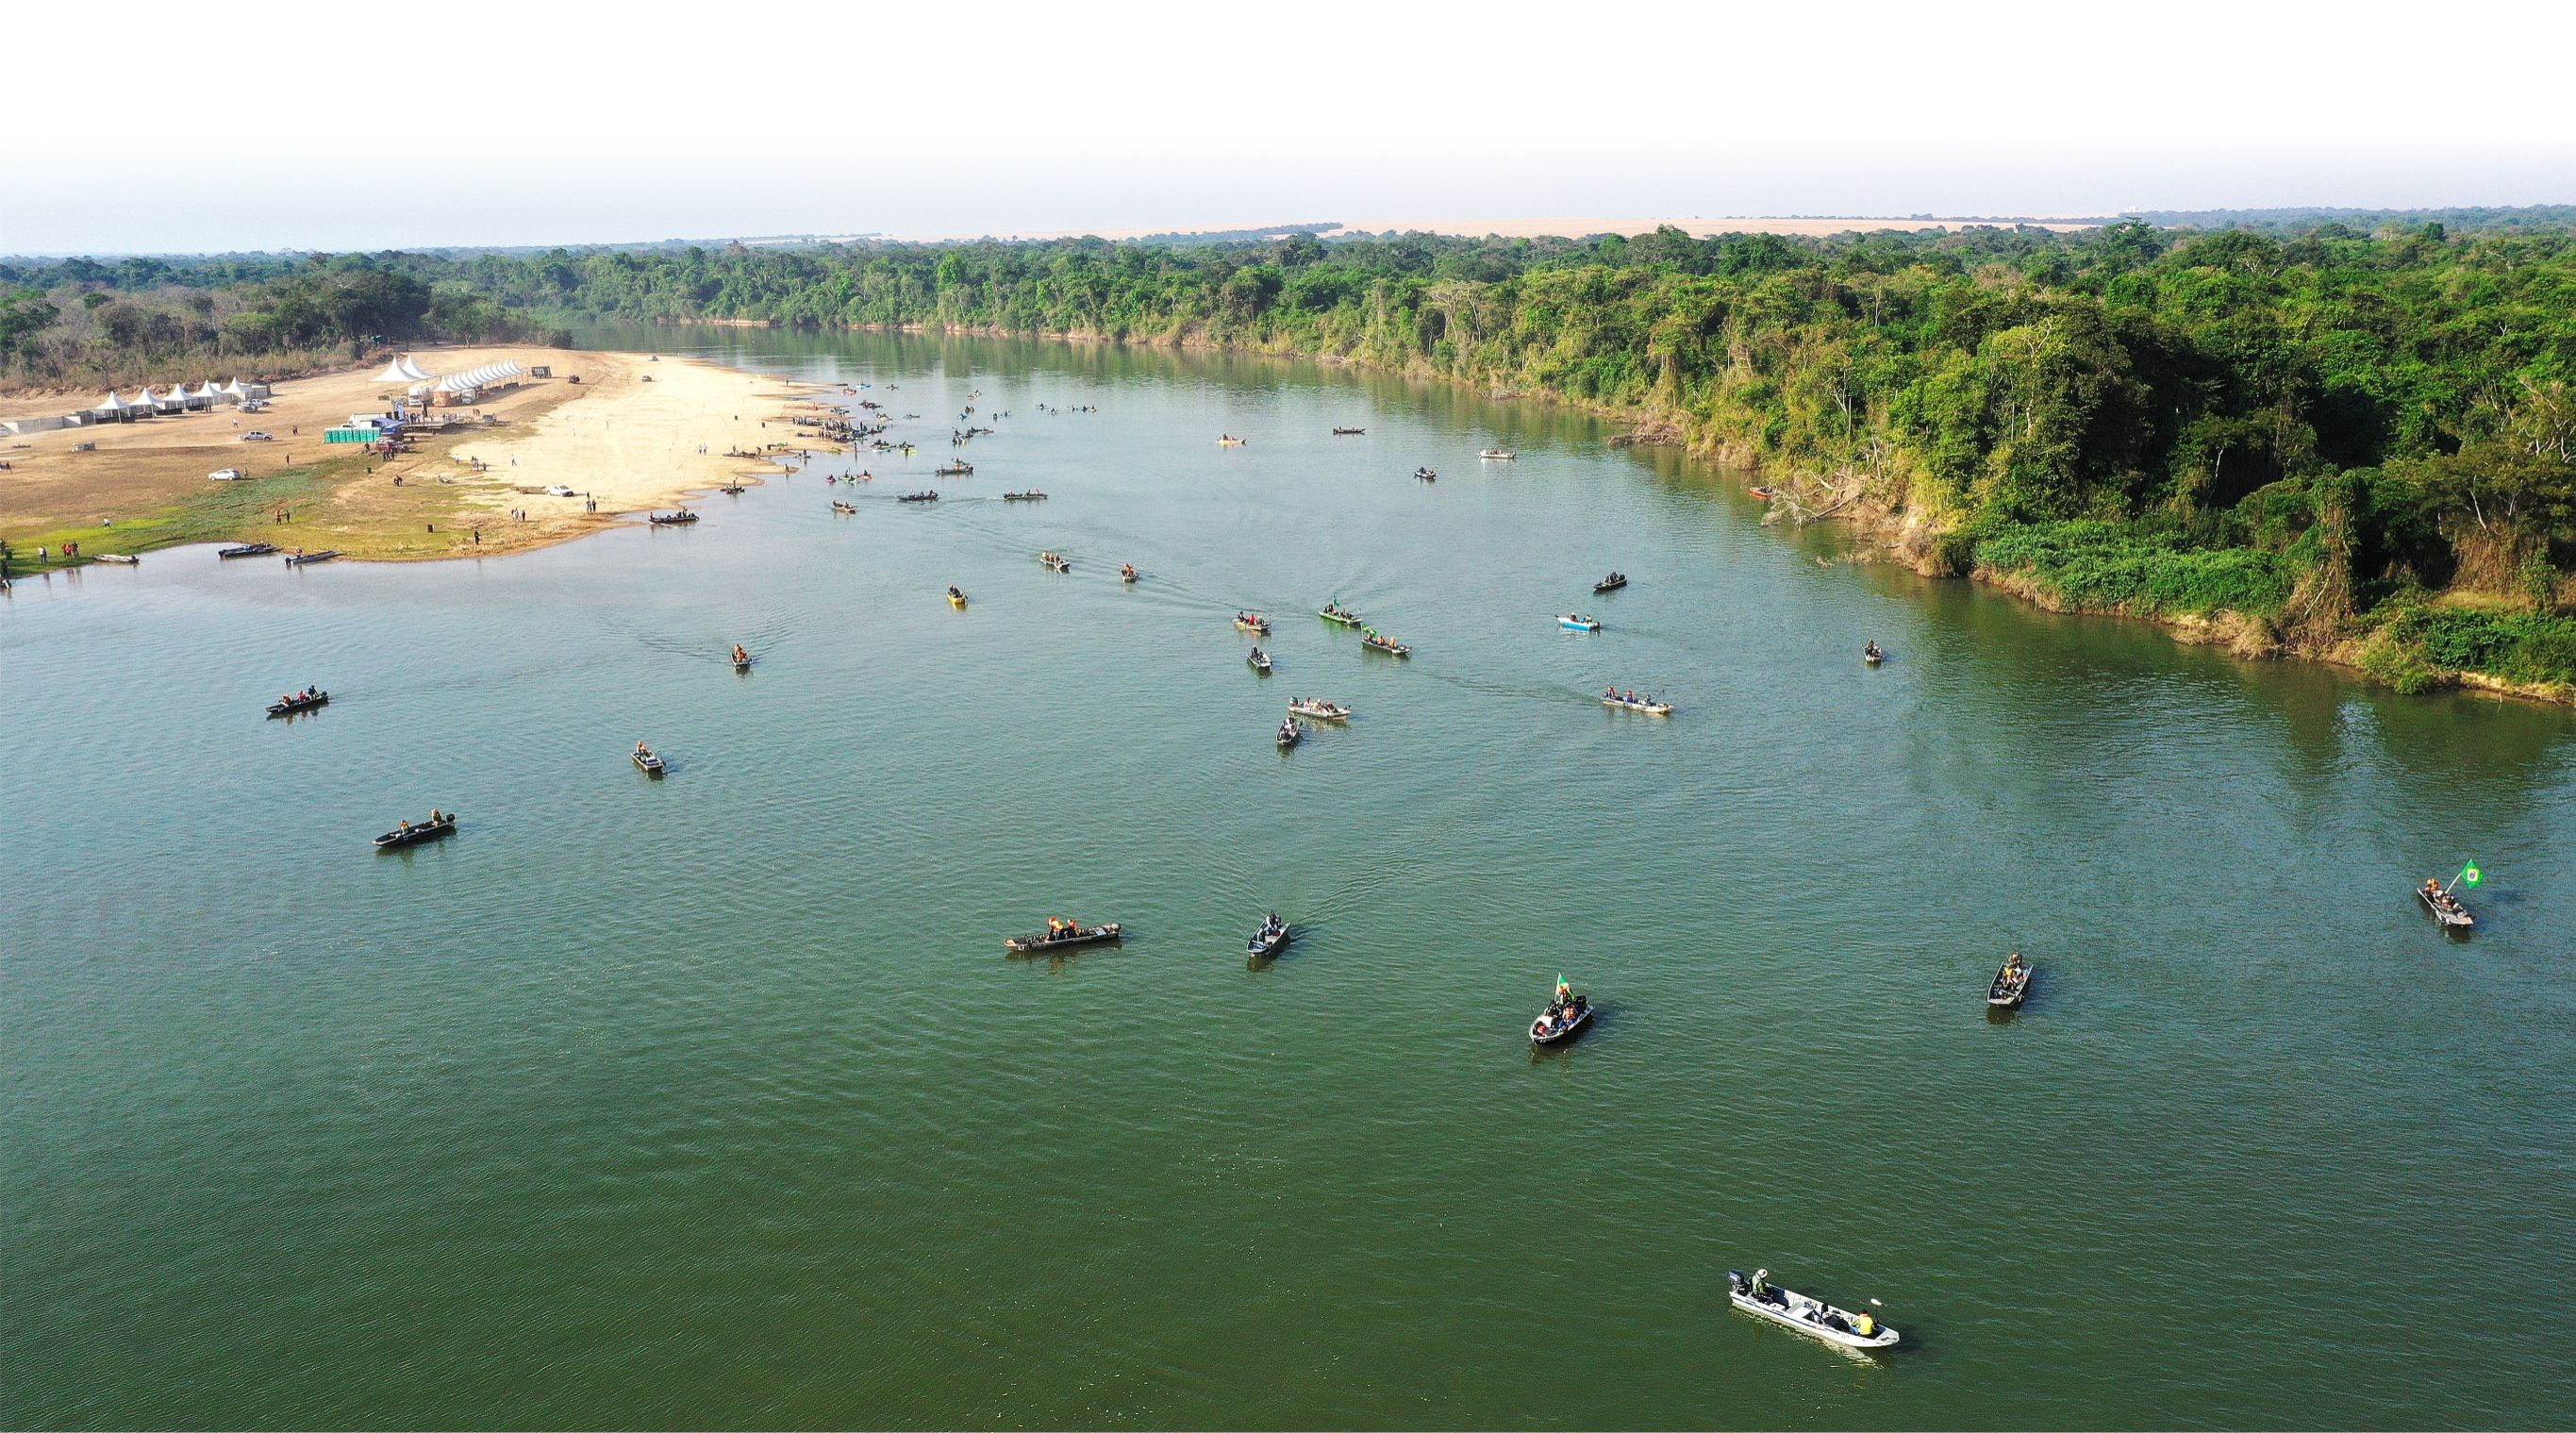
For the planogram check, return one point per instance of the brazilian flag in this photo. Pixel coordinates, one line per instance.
(2470, 875)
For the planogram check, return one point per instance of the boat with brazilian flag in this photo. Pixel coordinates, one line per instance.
(2448, 909)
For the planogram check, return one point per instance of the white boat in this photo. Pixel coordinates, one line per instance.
(1812, 1317)
(1320, 710)
(1498, 455)
(1649, 708)
(121, 558)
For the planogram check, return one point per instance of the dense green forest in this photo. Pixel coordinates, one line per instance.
(2360, 443)
(79, 324)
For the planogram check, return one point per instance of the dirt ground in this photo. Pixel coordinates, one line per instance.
(635, 433)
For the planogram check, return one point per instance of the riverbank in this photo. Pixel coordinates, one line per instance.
(628, 432)
(2385, 645)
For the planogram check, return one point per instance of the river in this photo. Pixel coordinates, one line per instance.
(715, 1101)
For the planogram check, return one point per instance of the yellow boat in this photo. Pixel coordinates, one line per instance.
(1229, 442)
(956, 599)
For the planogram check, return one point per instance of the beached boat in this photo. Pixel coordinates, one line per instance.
(2446, 908)
(299, 559)
(2011, 985)
(1054, 563)
(1578, 622)
(1648, 705)
(1388, 645)
(1319, 709)
(954, 470)
(1498, 455)
(1290, 734)
(300, 702)
(1763, 494)
(1811, 1317)
(1336, 612)
(409, 833)
(1031, 496)
(249, 549)
(1259, 659)
(682, 518)
(920, 497)
(1562, 1020)
(1611, 583)
(1252, 622)
(1268, 941)
(647, 760)
(1348, 432)
(1063, 939)
(121, 559)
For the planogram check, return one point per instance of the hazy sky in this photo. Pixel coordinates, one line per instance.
(267, 126)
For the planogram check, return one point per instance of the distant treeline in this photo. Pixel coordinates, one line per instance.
(2288, 222)
(78, 323)
(2324, 432)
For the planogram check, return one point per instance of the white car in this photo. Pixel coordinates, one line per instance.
(256, 436)
(561, 491)
(227, 475)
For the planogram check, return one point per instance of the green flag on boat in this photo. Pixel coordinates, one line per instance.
(2470, 875)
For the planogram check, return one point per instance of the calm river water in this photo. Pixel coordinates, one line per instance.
(715, 1101)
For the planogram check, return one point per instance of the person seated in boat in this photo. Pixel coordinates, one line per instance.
(436, 816)
(1761, 1286)
(1629, 696)
(405, 826)
(740, 655)
(1864, 1325)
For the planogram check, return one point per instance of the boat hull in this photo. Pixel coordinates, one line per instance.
(398, 838)
(1095, 935)
(1260, 949)
(2007, 993)
(1581, 1023)
(2458, 919)
(649, 765)
(288, 709)
(1787, 1317)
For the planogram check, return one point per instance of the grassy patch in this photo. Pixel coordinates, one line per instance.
(2108, 567)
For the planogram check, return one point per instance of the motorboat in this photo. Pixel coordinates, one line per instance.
(1319, 709)
(1811, 1317)
(1575, 621)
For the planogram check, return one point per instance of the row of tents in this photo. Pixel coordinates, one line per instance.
(174, 399)
(423, 383)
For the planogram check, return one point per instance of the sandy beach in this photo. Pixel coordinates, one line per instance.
(634, 433)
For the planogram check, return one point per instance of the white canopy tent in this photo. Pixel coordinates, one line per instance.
(483, 377)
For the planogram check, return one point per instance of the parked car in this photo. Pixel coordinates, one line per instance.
(228, 475)
(254, 405)
(256, 436)
(561, 491)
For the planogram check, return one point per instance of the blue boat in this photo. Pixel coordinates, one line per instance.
(1579, 623)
